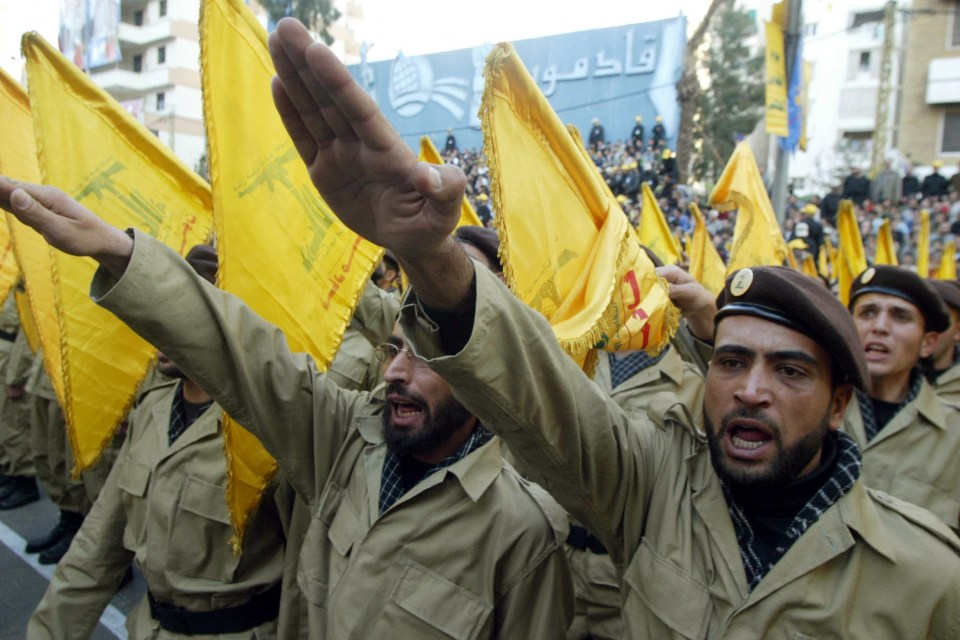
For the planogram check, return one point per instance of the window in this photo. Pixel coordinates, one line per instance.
(163, 8)
(161, 101)
(138, 18)
(866, 17)
(864, 64)
(955, 31)
(137, 63)
(161, 55)
(810, 29)
(950, 140)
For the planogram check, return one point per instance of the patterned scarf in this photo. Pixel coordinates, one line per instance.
(391, 481)
(870, 426)
(179, 419)
(841, 480)
(625, 366)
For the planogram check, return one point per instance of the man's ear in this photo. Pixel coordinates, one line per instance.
(838, 405)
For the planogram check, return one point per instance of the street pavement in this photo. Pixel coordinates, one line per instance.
(24, 581)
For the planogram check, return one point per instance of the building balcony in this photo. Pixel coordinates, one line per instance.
(123, 82)
(943, 81)
(134, 36)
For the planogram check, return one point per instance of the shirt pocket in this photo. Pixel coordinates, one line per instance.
(424, 604)
(675, 597)
(327, 544)
(199, 543)
(927, 495)
(133, 480)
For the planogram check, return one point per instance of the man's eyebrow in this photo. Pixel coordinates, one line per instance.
(789, 354)
(734, 350)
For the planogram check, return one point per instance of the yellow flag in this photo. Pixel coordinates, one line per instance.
(776, 82)
(851, 258)
(706, 265)
(923, 245)
(567, 247)
(27, 324)
(948, 262)
(655, 232)
(886, 252)
(90, 147)
(12, 94)
(429, 153)
(809, 267)
(823, 260)
(18, 159)
(277, 239)
(757, 239)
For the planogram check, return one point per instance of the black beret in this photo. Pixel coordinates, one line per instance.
(799, 302)
(203, 259)
(949, 291)
(906, 285)
(485, 240)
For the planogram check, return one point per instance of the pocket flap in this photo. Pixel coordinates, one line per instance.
(343, 529)
(674, 596)
(206, 500)
(440, 603)
(134, 478)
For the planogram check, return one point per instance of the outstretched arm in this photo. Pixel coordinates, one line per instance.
(66, 224)
(366, 173)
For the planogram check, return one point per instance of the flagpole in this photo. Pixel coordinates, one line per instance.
(780, 178)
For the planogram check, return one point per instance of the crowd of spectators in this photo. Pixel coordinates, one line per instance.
(626, 165)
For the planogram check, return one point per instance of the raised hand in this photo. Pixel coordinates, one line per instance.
(66, 224)
(359, 164)
(697, 305)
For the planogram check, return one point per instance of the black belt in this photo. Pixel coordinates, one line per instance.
(582, 540)
(261, 608)
(8, 335)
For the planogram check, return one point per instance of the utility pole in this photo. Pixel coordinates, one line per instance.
(791, 40)
(882, 124)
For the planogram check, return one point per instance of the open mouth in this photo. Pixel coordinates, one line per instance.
(404, 411)
(747, 437)
(875, 350)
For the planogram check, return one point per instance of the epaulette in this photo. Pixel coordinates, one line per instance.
(666, 410)
(918, 516)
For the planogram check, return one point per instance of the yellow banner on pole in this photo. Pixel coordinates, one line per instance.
(757, 239)
(923, 245)
(276, 237)
(886, 251)
(851, 258)
(13, 95)
(776, 82)
(429, 153)
(706, 265)
(948, 262)
(567, 247)
(18, 159)
(94, 150)
(655, 232)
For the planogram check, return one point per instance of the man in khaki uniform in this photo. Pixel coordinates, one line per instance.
(700, 557)
(648, 487)
(910, 438)
(18, 483)
(164, 507)
(419, 528)
(944, 373)
(632, 379)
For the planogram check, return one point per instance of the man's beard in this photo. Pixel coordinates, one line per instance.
(437, 424)
(785, 466)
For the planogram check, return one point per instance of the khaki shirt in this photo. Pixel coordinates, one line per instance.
(948, 385)
(473, 551)
(916, 456)
(164, 508)
(870, 567)
(671, 374)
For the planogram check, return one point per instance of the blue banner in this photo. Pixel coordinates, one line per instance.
(613, 75)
